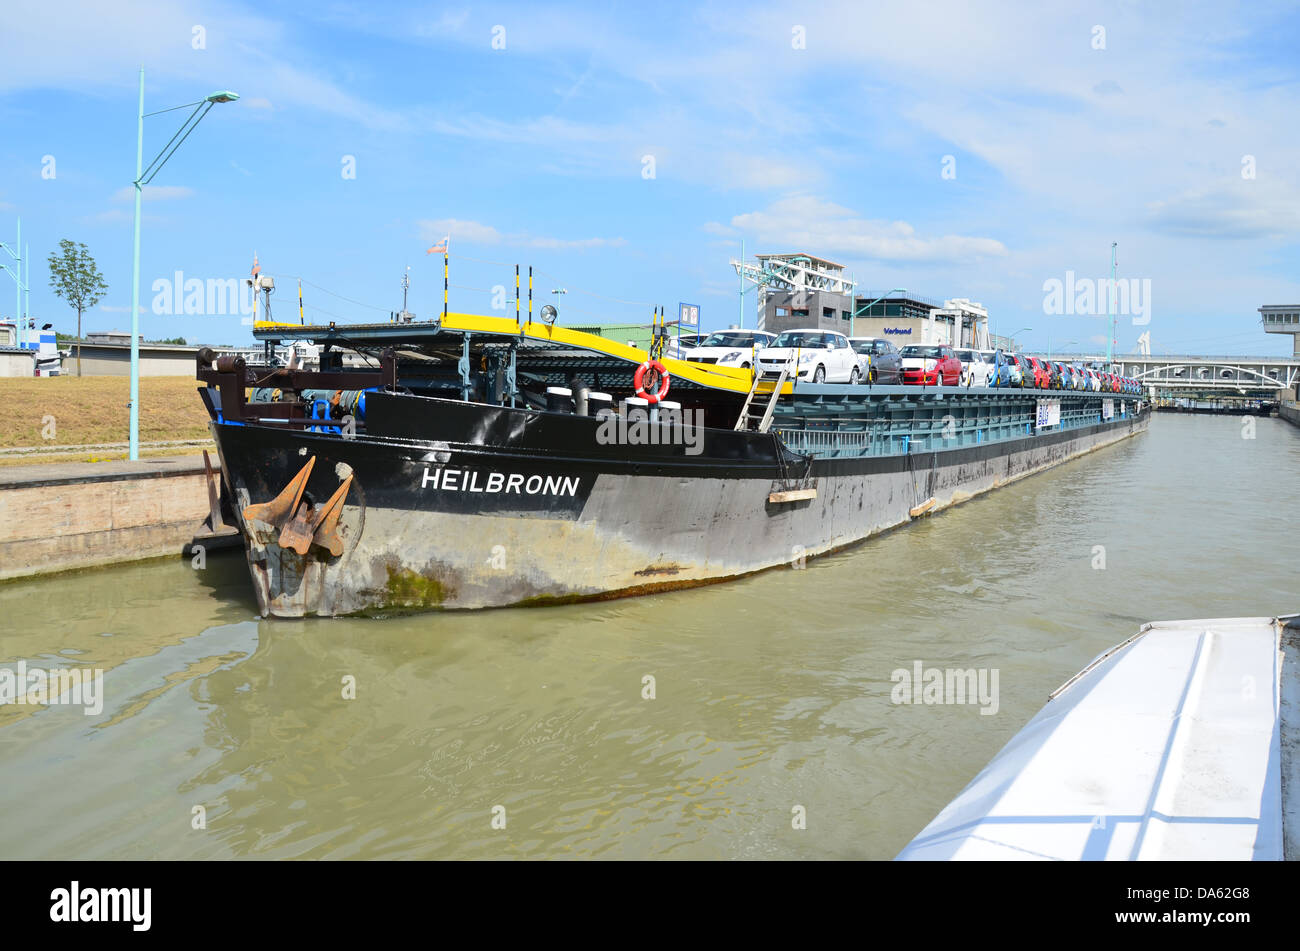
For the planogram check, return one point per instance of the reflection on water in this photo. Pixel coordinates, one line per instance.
(770, 693)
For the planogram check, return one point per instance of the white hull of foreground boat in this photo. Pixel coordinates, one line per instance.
(1177, 744)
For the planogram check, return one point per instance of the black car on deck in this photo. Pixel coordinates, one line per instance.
(880, 360)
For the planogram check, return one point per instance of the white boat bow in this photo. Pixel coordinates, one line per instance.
(1176, 744)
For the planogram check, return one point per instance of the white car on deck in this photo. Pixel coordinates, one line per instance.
(730, 348)
(678, 347)
(819, 356)
(976, 366)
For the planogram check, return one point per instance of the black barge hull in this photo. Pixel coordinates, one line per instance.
(478, 506)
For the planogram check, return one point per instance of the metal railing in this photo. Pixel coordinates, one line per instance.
(889, 436)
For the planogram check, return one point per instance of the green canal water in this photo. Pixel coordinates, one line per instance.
(770, 693)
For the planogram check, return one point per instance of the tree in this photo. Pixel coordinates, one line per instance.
(75, 278)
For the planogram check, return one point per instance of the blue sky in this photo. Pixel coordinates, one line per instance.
(793, 126)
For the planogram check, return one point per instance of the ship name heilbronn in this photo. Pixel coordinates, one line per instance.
(467, 480)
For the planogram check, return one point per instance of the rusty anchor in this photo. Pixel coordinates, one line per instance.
(277, 510)
(317, 525)
(301, 524)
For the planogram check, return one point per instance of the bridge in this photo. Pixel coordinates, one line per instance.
(1172, 375)
(1222, 378)
(1182, 375)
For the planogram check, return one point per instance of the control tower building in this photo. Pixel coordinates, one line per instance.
(1283, 319)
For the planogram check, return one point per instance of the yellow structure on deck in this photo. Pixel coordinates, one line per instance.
(733, 379)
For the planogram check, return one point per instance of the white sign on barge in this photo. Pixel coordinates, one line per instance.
(1177, 744)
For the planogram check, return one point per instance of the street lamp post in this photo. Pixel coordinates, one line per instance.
(1021, 330)
(143, 176)
(17, 274)
(1066, 344)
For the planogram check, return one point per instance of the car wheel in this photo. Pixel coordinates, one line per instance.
(819, 375)
(853, 377)
(744, 366)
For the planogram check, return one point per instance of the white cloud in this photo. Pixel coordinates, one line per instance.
(112, 216)
(739, 170)
(561, 244)
(802, 222)
(120, 216)
(153, 193)
(698, 150)
(478, 233)
(1244, 209)
(471, 231)
(1085, 132)
(100, 47)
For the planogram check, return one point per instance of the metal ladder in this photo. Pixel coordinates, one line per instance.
(748, 414)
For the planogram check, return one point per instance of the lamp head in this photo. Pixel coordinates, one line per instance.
(224, 96)
(549, 314)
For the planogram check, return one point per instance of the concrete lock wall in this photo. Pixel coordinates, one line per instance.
(102, 361)
(20, 363)
(1290, 412)
(79, 515)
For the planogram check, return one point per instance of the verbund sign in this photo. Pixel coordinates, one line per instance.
(898, 330)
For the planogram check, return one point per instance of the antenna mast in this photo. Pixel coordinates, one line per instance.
(405, 316)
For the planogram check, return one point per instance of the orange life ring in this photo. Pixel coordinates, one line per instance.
(637, 380)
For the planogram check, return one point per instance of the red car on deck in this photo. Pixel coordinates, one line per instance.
(1036, 373)
(930, 365)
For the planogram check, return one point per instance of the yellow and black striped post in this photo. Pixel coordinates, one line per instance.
(445, 270)
(301, 320)
(530, 293)
(516, 295)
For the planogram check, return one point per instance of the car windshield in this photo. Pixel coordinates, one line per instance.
(865, 346)
(799, 338)
(927, 353)
(990, 358)
(728, 338)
